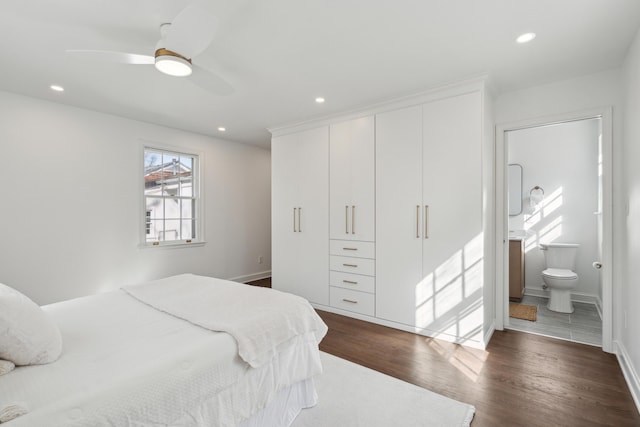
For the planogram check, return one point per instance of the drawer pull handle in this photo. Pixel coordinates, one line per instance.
(351, 282)
(349, 300)
(349, 249)
(350, 265)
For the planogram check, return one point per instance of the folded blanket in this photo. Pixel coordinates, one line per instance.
(14, 410)
(6, 367)
(261, 320)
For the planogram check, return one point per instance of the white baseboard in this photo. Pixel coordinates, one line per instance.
(629, 372)
(489, 334)
(576, 297)
(599, 306)
(473, 343)
(251, 277)
(535, 292)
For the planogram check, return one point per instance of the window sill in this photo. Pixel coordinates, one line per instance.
(172, 245)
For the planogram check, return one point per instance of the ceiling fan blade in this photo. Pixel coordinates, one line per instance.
(210, 82)
(192, 30)
(111, 56)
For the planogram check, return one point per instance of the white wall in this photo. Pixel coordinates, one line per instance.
(573, 96)
(66, 169)
(630, 253)
(563, 160)
(621, 90)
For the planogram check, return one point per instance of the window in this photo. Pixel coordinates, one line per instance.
(171, 214)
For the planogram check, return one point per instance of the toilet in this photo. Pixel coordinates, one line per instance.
(559, 276)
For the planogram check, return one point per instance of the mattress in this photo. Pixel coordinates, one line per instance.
(127, 364)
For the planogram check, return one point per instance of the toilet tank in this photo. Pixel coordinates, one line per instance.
(560, 255)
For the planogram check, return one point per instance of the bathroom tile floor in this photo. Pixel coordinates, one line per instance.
(584, 325)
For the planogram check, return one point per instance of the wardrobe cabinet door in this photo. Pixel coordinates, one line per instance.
(452, 192)
(284, 209)
(352, 180)
(399, 214)
(300, 248)
(313, 260)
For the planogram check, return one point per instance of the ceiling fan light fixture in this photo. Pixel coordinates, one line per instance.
(172, 63)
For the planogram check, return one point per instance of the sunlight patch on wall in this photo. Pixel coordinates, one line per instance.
(600, 156)
(552, 231)
(473, 277)
(544, 224)
(449, 271)
(473, 266)
(425, 291)
(448, 296)
(449, 299)
(470, 322)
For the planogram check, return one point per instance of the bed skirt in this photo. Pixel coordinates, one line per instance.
(285, 406)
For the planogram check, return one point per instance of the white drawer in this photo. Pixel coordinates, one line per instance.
(352, 281)
(358, 302)
(352, 248)
(352, 265)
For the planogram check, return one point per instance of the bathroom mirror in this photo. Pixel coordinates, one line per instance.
(515, 189)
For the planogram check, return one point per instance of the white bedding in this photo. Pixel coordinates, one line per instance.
(261, 320)
(128, 364)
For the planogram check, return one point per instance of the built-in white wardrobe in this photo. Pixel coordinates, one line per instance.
(429, 213)
(352, 215)
(404, 207)
(300, 215)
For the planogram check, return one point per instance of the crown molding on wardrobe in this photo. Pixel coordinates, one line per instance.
(444, 91)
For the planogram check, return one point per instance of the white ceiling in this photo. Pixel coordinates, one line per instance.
(281, 54)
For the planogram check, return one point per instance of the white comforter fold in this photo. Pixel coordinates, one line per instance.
(261, 320)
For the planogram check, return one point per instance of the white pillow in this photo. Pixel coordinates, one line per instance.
(27, 335)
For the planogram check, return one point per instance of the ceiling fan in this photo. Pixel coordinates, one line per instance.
(185, 38)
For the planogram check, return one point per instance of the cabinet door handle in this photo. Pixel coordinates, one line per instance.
(346, 220)
(351, 282)
(426, 221)
(350, 265)
(349, 300)
(417, 221)
(294, 220)
(353, 219)
(299, 220)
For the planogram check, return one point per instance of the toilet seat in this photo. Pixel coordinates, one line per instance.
(560, 273)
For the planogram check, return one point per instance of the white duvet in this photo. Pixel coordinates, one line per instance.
(260, 319)
(127, 364)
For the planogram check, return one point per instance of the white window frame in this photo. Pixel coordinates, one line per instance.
(198, 160)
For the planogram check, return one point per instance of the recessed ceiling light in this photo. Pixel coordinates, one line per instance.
(526, 37)
(222, 129)
(57, 88)
(319, 100)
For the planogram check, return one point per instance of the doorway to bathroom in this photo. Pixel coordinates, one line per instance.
(554, 179)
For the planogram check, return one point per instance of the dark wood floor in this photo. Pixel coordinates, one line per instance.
(519, 380)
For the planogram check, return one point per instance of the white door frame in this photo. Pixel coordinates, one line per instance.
(502, 218)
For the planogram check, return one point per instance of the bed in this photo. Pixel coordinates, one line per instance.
(149, 355)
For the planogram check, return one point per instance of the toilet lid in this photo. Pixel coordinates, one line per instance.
(560, 273)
